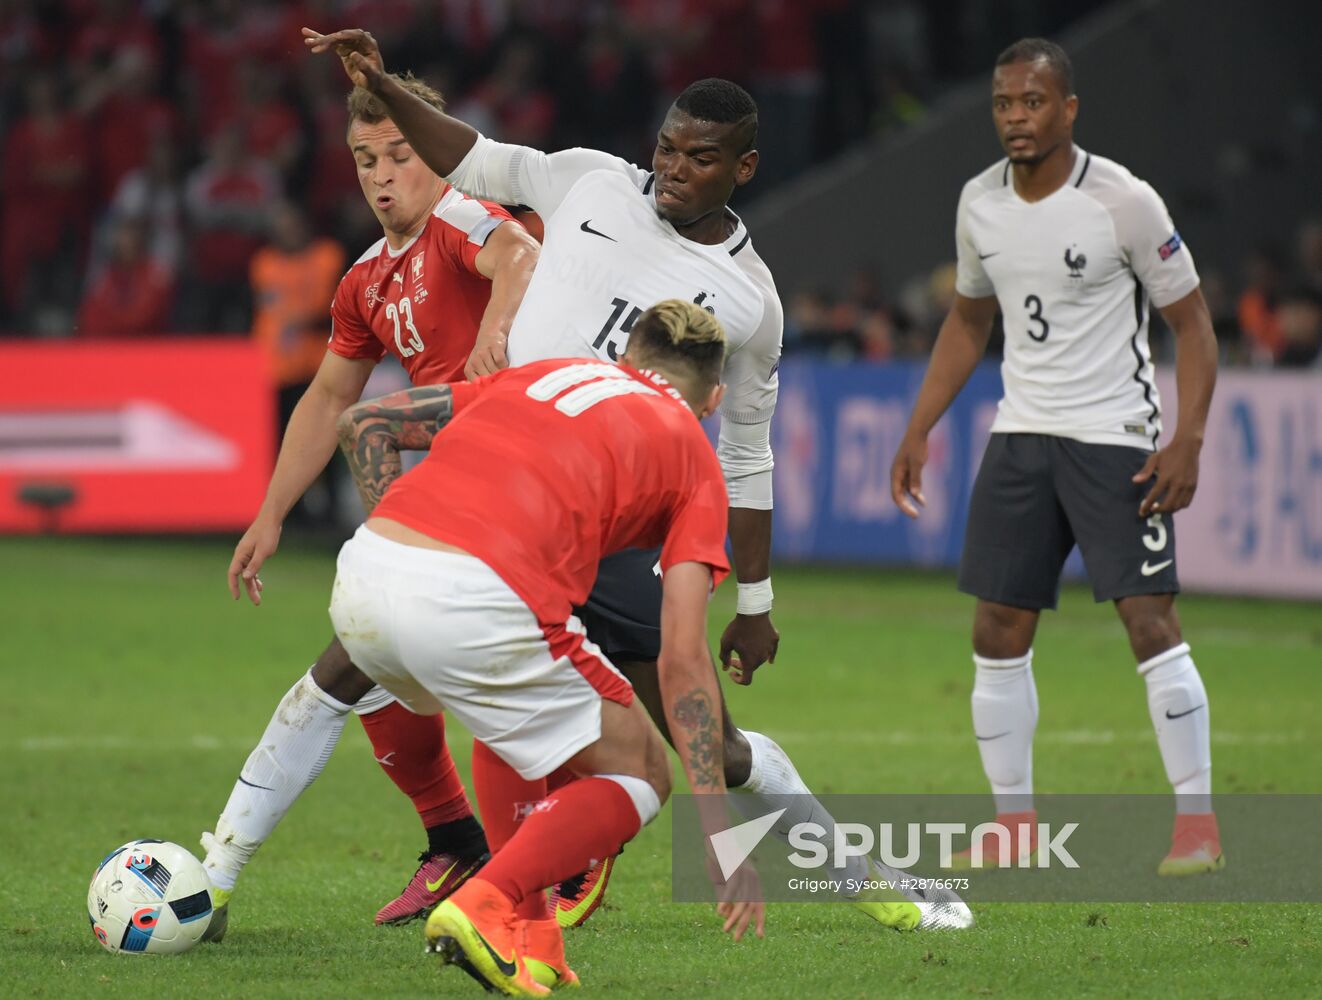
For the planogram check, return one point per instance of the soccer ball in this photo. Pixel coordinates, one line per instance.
(149, 896)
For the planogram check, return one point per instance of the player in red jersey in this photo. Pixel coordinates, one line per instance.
(458, 594)
(439, 291)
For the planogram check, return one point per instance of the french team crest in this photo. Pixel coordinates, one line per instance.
(1076, 262)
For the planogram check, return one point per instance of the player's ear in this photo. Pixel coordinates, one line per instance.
(1071, 110)
(745, 168)
(713, 401)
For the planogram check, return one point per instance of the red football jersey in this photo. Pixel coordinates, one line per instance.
(547, 467)
(423, 303)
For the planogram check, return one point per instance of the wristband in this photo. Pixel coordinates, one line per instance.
(755, 598)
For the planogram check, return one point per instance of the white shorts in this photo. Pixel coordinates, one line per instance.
(443, 630)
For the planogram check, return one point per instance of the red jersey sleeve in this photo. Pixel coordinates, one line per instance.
(351, 337)
(463, 393)
(698, 529)
(467, 223)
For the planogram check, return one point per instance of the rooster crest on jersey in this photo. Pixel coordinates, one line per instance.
(1075, 262)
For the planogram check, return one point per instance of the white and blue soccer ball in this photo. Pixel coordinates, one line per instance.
(149, 897)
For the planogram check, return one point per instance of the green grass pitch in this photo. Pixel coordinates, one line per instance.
(136, 687)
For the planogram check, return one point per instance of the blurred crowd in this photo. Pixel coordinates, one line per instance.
(1268, 315)
(180, 166)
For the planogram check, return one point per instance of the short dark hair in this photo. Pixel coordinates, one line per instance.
(1033, 49)
(680, 339)
(722, 102)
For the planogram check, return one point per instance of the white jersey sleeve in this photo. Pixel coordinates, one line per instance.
(971, 279)
(521, 175)
(1157, 255)
(752, 382)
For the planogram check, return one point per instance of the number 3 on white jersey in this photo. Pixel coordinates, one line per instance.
(415, 343)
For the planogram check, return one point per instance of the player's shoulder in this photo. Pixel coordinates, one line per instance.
(595, 164)
(1113, 184)
(471, 216)
(995, 178)
(748, 260)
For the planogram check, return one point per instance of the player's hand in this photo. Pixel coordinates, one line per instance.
(748, 642)
(1176, 470)
(907, 475)
(488, 356)
(257, 545)
(358, 52)
(740, 903)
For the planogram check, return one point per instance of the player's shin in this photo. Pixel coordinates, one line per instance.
(291, 753)
(411, 749)
(1004, 721)
(774, 783)
(1177, 702)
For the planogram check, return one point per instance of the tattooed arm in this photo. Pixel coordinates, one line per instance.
(372, 434)
(692, 701)
(687, 677)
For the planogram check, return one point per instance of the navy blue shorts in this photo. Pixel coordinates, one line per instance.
(1036, 497)
(622, 615)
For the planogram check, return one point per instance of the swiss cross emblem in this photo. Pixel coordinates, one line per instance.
(417, 267)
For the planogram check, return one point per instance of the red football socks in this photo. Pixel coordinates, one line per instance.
(411, 749)
(506, 800)
(566, 833)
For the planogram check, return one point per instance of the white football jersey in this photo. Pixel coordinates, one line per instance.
(608, 256)
(1073, 274)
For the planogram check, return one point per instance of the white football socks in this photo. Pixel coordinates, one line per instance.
(775, 783)
(1177, 702)
(291, 753)
(1004, 720)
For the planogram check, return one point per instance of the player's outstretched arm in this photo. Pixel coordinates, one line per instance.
(692, 701)
(959, 347)
(373, 433)
(441, 141)
(507, 258)
(1176, 465)
(308, 444)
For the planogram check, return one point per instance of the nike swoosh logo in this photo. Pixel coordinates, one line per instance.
(433, 886)
(252, 785)
(984, 256)
(1147, 570)
(1181, 715)
(984, 739)
(588, 229)
(507, 968)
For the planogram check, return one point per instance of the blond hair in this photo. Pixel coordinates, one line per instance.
(680, 339)
(366, 107)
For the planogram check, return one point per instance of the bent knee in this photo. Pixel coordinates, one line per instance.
(1002, 632)
(335, 674)
(738, 756)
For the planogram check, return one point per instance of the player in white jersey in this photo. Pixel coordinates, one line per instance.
(1073, 248)
(617, 240)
